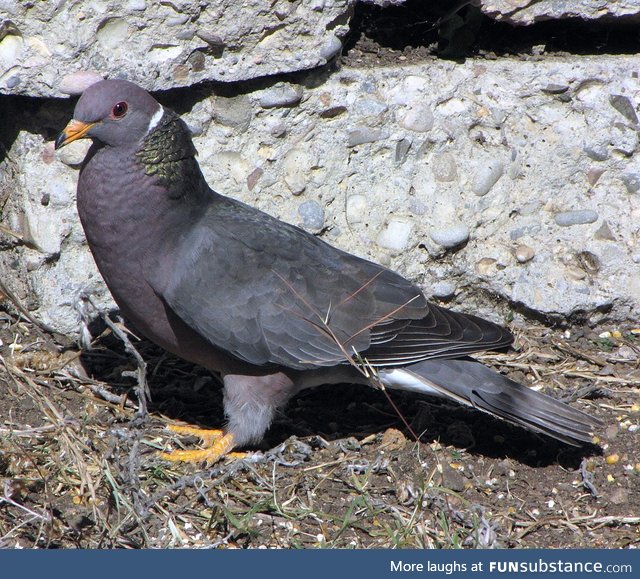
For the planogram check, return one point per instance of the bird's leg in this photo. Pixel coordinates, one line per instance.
(217, 444)
(250, 403)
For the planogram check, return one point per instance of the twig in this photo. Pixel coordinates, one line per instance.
(587, 478)
(580, 355)
(142, 387)
(121, 400)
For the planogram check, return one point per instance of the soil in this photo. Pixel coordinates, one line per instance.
(340, 467)
(418, 31)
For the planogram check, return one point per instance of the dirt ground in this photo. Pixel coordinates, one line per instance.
(341, 467)
(79, 466)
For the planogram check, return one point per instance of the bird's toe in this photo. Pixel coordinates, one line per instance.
(217, 445)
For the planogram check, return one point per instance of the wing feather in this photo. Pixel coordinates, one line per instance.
(271, 294)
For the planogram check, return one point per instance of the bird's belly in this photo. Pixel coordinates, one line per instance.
(123, 271)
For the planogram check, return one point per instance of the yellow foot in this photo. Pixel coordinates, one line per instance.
(217, 445)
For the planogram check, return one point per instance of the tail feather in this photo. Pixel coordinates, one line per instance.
(472, 383)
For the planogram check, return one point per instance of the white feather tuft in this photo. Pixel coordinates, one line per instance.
(400, 379)
(155, 119)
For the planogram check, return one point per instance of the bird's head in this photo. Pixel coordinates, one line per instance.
(113, 112)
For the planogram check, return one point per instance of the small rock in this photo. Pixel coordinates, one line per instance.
(402, 150)
(74, 153)
(444, 167)
(411, 89)
(396, 234)
(624, 106)
(296, 183)
(593, 176)
(37, 45)
(596, 153)
(604, 233)
(627, 354)
(13, 81)
(136, 5)
(356, 208)
(312, 215)
(418, 119)
(452, 479)
(278, 129)
(333, 111)
(451, 236)
(254, 177)
(188, 33)
(211, 38)
(365, 135)
(631, 182)
(443, 290)
(624, 139)
(233, 112)
(280, 95)
(553, 88)
(518, 232)
(524, 253)
(176, 20)
(296, 165)
(331, 47)
(10, 48)
(197, 61)
(112, 33)
(485, 266)
(49, 153)
(369, 107)
(575, 217)
(487, 177)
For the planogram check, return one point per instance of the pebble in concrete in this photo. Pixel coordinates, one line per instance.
(487, 177)
(396, 234)
(631, 182)
(444, 167)
(280, 95)
(524, 253)
(356, 208)
(443, 290)
(451, 236)
(363, 135)
(418, 119)
(312, 215)
(575, 217)
(76, 82)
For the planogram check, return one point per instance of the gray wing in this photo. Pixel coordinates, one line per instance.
(270, 293)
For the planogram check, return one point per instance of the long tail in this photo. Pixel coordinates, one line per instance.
(471, 383)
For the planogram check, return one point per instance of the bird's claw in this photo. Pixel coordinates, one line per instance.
(218, 444)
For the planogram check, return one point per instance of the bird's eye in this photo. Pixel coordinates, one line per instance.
(120, 110)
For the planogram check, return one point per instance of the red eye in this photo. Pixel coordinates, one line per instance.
(120, 110)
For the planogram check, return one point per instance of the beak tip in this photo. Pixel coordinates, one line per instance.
(60, 139)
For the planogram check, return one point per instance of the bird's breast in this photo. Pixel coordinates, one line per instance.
(124, 215)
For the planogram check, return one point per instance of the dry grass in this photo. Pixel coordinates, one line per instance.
(79, 463)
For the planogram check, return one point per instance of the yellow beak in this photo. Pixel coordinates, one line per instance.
(72, 132)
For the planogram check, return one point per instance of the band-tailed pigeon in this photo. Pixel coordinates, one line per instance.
(270, 307)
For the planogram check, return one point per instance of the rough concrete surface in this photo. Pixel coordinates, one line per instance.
(164, 44)
(515, 178)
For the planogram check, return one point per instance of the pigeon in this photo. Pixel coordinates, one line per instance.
(267, 306)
